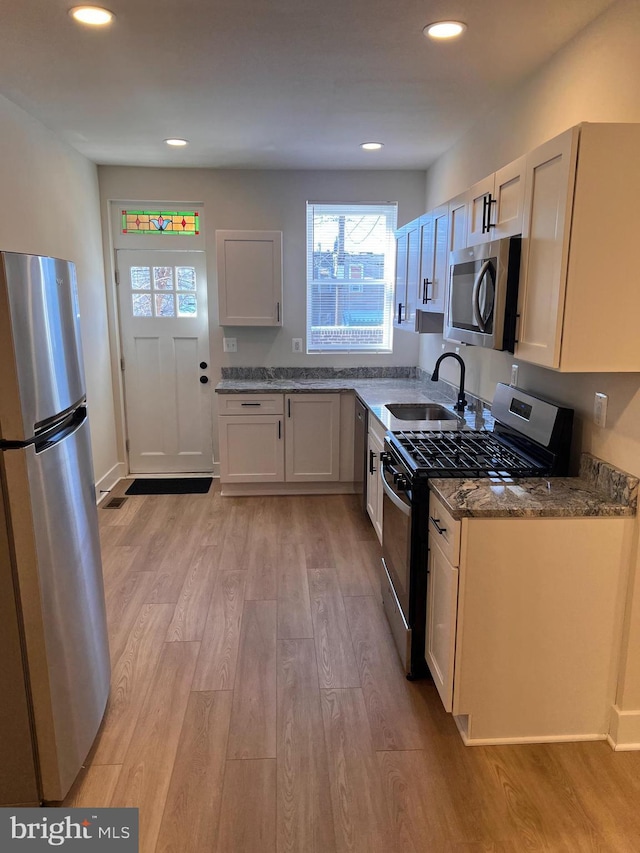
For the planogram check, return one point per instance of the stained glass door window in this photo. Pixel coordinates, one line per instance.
(180, 222)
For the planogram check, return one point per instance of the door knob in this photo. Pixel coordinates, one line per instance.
(204, 379)
(203, 365)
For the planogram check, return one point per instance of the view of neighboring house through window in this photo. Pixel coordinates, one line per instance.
(350, 277)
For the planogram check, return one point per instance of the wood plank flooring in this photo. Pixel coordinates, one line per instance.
(258, 703)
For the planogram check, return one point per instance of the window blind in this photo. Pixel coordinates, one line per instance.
(350, 277)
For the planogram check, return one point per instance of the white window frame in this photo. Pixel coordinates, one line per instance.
(340, 336)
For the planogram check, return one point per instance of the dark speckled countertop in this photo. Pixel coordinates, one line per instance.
(601, 490)
(375, 394)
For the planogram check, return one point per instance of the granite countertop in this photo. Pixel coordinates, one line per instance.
(375, 393)
(601, 490)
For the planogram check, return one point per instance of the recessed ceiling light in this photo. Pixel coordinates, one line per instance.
(177, 143)
(444, 29)
(96, 16)
(371, 146)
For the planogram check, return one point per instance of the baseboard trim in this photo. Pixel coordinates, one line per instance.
(106, 483)
(624, 733)
(462, 726)
(248, 489)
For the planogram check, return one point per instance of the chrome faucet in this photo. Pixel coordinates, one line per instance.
(461, 402)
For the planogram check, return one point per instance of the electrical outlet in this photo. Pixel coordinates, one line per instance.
(514, 375)
(600, 409)
(296, 344)
(230, 345)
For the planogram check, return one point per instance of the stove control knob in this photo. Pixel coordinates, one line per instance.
(401, 483)
(385, 457)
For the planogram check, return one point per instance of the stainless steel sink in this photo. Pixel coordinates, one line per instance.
(420, 412)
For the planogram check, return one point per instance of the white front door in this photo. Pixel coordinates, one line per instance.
(165, 346)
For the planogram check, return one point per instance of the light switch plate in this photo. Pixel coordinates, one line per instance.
(600, 409)
(230, 344)
(514, 375)
(296, 344)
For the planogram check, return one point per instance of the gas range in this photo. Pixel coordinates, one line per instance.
(531, 438)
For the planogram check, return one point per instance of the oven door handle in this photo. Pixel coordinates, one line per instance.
(404, 507)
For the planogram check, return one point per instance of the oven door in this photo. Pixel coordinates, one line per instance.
(396, 560)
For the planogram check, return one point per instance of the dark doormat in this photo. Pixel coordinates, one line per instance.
(171, 486)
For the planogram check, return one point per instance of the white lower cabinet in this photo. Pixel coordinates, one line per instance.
(251, 449)
(278, 438)
(312, 437)
(442, 607)
(524, 624)
(375, 446)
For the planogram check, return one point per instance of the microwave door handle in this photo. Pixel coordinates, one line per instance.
(475, 296)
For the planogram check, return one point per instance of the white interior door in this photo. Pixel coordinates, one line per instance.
(165, 345)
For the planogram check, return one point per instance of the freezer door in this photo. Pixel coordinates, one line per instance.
(40, 355)
(54, 525)
(18, 778)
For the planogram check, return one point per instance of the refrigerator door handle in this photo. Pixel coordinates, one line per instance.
(65, 428)
(59, 431)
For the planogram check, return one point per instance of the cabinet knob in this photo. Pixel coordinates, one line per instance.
(203, 365)
(204, 379)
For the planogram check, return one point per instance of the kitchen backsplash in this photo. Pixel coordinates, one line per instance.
(265, 373)
(611, 481)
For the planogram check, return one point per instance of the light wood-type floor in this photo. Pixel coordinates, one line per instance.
(258, 703)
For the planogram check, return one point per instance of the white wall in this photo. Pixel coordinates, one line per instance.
(594, 78)
(50, 206)
(273, 201)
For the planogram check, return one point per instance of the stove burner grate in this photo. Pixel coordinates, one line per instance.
(464, 454)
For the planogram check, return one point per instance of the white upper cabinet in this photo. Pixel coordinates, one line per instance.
(479, 211)
(495, 205)
(509, 185)
(249, 267)
(458, 219)
(407, 275)
(434, 259)
(578, 301)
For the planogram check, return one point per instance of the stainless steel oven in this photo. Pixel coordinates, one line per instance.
(396, 553)
(531, 437)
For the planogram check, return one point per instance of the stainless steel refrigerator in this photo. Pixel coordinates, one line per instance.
(54, 653)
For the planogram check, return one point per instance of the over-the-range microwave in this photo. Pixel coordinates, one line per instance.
(482, 301)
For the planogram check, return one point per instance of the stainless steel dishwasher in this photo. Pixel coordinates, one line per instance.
(360, 453)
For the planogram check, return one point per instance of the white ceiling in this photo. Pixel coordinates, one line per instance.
(280, 84)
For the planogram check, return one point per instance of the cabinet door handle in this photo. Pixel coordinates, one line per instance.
(251, 404)
(372, 456)
(425, 290)
(289, 408)
(399, 313)
(278, 311)
(279, 429)
(487, 224)
(436, 524)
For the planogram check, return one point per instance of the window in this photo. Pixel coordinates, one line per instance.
(350, 277)
(161, 303)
